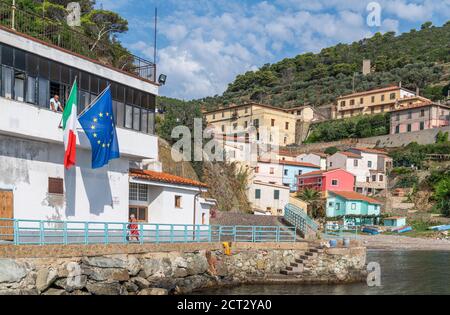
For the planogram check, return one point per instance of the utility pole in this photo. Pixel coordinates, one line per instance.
(13, 17)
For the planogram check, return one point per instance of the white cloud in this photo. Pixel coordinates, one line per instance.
(205, 44)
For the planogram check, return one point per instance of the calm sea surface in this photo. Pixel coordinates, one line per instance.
(402, 272)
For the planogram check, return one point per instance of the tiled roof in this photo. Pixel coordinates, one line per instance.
(295, 163)
(386, 89)
(351, 195)
(165, 178)
(368, 150)
(419, 105)
(350, 154)
(234, 106)
(322, 172)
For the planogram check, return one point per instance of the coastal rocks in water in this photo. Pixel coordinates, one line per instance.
(153, 291)
(11, 271)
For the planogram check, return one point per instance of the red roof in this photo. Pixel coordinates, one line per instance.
(165, 178)
(425, 103)
(386, 89)
(350, 154)
(352, 195)
(295, 163)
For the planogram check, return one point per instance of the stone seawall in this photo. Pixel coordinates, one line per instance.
(173, 270)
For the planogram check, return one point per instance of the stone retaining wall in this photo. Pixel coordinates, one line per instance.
(172, 271)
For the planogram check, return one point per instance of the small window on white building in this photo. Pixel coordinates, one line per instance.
(138, 192)
(369, 164)
(177, 201)
(355, 162)
(143, 192)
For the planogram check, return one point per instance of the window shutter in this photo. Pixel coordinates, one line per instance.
(55, 186)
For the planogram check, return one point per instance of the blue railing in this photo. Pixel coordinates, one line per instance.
(299, 219)
(35, 232)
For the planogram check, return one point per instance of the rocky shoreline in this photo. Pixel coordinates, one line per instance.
(175, 272)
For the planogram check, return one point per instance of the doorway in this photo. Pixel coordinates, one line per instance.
(6, 212)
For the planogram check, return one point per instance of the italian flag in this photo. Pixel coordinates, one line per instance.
(69, 125)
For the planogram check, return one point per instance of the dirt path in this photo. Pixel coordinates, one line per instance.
(394, 242)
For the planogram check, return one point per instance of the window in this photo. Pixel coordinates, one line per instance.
(372, 99)
(55, 186)
(422, 112)
(136, 118)
(355, 163)
(361, 100)
(409, 115)
(272, 171)
(392, 96)
(140, 213)
(44, 89)
(144, 120)
(368, 179)
(245, 124)
(203, 218)
(353, 206)
(286, 172)
(257, 193)
(381, 178)
(19, 86)
(331, 164)
(276, 195)
(369, 164)
(257, 170)
(422, 125)
(352, 102)
(128, 116)
(334, 182)
(372, 110)
(214, 116)
(397, 129)
(397, 117)
(342, 103)
(300, 172)
(138, 192)
(7, 74)
(272, 122)
(143, 192)
(133, 191)
(256, 123)
(31, 90)
(409, 127)
(382, 98)
(286, 126)
(235, 125)
(374, 178)
(330, 204)
(382, 109)
(177, 201)
(223, 128)
(338, 206)
(246, 110)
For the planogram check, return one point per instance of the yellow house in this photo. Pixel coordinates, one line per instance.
(273, 126)
(375, 101)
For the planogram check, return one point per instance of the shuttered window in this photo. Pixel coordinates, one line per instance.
(55, 186)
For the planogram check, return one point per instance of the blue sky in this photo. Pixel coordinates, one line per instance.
(204, 44)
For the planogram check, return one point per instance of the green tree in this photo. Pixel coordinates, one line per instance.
(313, 197)
(442, 196)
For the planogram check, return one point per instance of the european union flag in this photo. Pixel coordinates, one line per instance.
(98, 124)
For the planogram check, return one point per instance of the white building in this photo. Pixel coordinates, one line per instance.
(33, 180)
(269, 172)
(316, 158)
(268, 198)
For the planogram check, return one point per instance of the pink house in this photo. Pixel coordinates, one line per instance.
(421, 116)
(331, 180)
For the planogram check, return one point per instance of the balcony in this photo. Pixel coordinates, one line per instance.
(61, 35)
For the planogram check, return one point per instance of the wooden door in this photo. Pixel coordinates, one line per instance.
(6, 212)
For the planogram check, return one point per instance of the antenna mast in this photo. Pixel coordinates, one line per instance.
(156, 33)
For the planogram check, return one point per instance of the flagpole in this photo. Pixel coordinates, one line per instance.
(95, 99)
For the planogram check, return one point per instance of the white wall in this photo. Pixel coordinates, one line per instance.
(90, 195)
(267, 194)
(264, 175)
(313, 159)
(32, 122)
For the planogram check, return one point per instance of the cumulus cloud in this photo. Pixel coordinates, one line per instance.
(205, 44)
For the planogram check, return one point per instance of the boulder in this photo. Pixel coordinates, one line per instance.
(134, 266)
(197, 264)
(72, 284)
(153, 291)
(131, 287)
(107, 274)
(157, 268)
(140, 282)
(53, 291)
(104, 288)
(11, 271)
(105, 262)
(45, 278)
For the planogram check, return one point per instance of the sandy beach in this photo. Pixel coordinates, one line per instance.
(397, 242)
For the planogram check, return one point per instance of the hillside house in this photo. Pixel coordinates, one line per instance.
(325, 181)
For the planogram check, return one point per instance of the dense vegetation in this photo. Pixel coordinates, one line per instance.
(354, 127)
(417, 59)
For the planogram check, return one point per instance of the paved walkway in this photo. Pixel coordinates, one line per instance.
(394, 242)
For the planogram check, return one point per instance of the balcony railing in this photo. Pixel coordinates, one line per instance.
(61, 35)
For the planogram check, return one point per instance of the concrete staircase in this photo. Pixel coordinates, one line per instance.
(305, 262)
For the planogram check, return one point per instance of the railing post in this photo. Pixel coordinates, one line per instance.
(13, 15)
(210, 234)
(278, 234)
(106, 233)
(86, 233)
(253, 234)
(171, 233)
(220, 233)
(16, 232)
(185, 233)
(234, 233)
(157, 233)
(141, 233)
(65, 238)
(41, 232)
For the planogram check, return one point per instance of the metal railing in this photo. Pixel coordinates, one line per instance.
(58, 33)
(49, 232)
(299, 219)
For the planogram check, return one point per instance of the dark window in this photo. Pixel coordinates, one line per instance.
(352, 102)
(94, 85)
(84, 81)
(19, 59)
(373, 99)
(392, 96)
(19, 86)
(43, 68)
(382, 97)
(55, 72)
(55, 186)
(409, 127)
(422, 112)
(7, 78)
(257, 193)
(44, 92)
(177, 201)
(422, 125)
(7, 56)
(140, 213)
(32, 65)
(409, 115)
(276, 194)
(65, 75)
(397, 129)
(151, 123)
(102, 84)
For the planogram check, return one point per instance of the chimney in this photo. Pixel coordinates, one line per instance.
(417, 91)
(400, 84)
(366, 69)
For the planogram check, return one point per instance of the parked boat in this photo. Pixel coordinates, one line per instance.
(370, 230)
(440, 228)
(404, 229)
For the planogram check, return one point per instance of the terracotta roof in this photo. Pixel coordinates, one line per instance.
(295, 163)
(165, 178)
(351, 195)
(379, 90)
(368, 150)
(244, 105)
(350, 154)
(419, 105)
(322, 172)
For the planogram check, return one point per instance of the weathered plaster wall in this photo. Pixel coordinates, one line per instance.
(174, 270)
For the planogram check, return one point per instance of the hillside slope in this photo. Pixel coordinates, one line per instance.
(417, 59)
